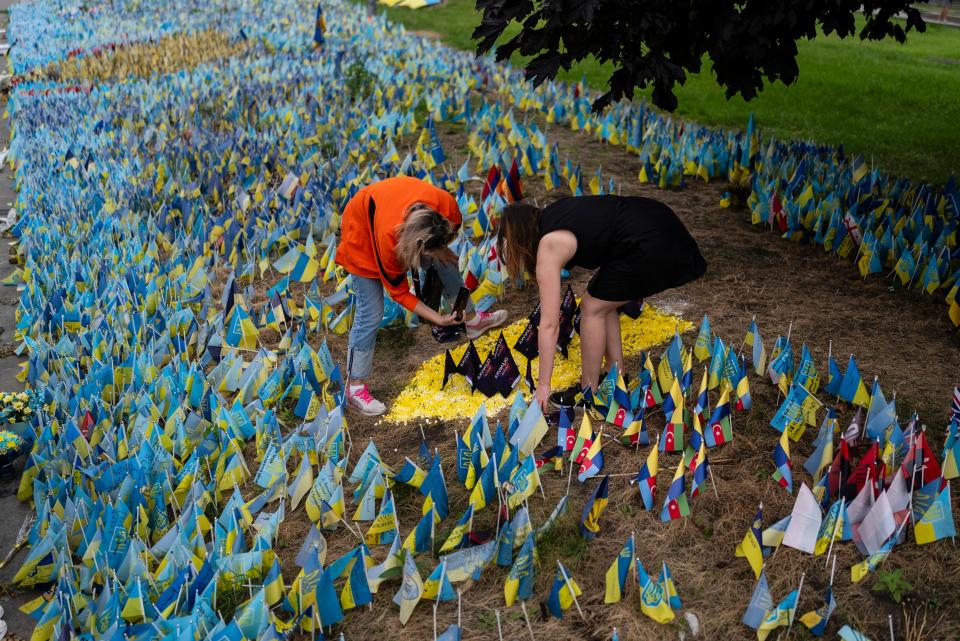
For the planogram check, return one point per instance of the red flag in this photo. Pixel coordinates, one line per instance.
(493, 178)
(926, 465)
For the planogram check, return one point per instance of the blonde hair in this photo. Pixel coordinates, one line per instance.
(422, 229)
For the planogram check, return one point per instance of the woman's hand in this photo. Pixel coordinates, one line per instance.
(446, 320)
(543, 397)
(433, 317)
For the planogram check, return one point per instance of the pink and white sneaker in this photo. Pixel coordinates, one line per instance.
(482, 321)
(360, 399)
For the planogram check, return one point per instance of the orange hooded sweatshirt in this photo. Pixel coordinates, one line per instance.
(369, 231)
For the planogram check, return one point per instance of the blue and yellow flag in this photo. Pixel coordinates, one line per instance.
(779, 616)
(616, 576)
(411, 589)
(751, 547)
(564, 592)
(654, 601)
(520, 580)
(590, 518)
(817, 619)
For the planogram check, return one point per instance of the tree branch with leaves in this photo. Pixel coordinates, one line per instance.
(656, 43)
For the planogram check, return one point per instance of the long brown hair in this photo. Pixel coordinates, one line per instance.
(422, 229)
(518, 238)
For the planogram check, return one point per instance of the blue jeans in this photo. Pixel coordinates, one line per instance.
(369, 313)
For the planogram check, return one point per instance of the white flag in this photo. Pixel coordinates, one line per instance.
(878, 526)
(804, 522)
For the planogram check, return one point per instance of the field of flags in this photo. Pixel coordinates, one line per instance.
(178, 213)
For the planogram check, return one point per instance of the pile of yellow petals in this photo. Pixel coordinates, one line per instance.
(422, 398)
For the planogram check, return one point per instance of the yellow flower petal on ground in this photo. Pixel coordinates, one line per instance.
(422, 398)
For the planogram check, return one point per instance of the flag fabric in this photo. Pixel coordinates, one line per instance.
(646, 478)
(702, 405)
(832, 527)
(761, 602)
(434, 489)
(720, 428)
(520, 580)
(616, 576)
(654, 601)
(781, 460)
(532, 429)
(701, 467)
(805, 520)
(459, 535)
(860, 570)
(758, 352)
(675, 505)
(744, 400)
(780, 616)
(751, 547)
(717, 360)
(674, 409)
(669, 587)
(319, 27)
(486, 488)
(411, 589)
(704, 341)
(437, 587)
(421, 537)
(937, 520)
(773, 535)
(618, 400)
(592, 461)
(596, 503)
(452, 633)
(817, 619)
(583, 439)
(823, 444)
(383, 530)
(852, 388)
(356, 591)
(563, 593)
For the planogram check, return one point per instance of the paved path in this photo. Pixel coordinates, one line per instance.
(12, 511)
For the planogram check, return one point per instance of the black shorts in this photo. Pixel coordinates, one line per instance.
(639, 272)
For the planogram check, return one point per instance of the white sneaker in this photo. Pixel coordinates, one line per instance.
(364, 402)
(483, 321)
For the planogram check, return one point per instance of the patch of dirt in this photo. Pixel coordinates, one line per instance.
(425, 33)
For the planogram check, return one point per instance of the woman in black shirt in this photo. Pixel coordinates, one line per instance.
(638, 248)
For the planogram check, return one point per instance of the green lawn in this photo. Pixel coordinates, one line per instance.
(897, 105)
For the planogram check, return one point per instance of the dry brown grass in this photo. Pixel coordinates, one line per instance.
(900, 337)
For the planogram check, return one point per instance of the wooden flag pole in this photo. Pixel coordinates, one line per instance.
(499, 627)
(713, 483)
(833, 570)
(890, 624)
(459, 606)
(569, 477)
(435, 621)
(573, 595)
(526, 618)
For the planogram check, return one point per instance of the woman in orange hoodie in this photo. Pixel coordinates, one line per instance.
(388, 228)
